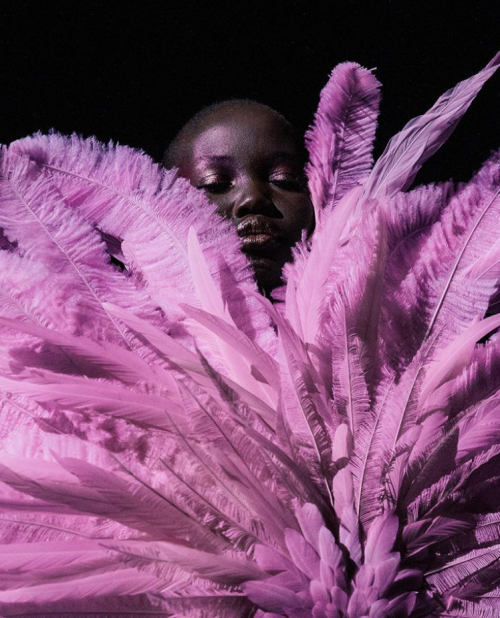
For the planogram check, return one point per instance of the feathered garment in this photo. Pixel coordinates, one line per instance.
(173, 444)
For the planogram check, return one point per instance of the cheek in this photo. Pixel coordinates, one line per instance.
(298, 215)
(221, 202)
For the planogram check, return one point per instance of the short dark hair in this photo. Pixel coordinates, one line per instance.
(176, 145)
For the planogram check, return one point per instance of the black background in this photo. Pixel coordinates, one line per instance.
(134, 72)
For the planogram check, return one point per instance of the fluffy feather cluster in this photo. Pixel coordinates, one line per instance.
(173, 444)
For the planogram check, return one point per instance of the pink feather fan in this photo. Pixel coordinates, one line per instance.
(176, 445)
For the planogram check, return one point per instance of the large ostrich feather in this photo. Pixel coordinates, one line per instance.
(341, 139)
(174, 444)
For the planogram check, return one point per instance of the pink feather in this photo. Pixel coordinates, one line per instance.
(340, 141)
(423, 136)
(168, 451)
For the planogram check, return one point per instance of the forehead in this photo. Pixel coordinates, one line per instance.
(242, 132)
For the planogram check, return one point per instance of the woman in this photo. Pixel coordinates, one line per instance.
(247, 159)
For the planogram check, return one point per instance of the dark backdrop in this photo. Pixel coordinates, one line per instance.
(134, 71)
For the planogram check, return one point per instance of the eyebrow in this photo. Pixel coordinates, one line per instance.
(213, 159)
(274, 159)
(283, 156)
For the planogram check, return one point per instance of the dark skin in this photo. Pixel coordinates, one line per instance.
(248, 163)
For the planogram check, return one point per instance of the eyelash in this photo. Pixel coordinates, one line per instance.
(221, 186)
(289, 184)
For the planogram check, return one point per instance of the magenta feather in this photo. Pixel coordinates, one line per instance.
(341, 139)
(176, 445)
(127, 196)
(423, 136)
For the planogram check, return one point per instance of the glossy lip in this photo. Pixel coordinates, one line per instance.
(258, 233)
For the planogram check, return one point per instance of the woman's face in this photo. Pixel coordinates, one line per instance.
(247, 162)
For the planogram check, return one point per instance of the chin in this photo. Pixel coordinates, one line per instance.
(267, 274)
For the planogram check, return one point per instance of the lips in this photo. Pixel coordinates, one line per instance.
(258, 234)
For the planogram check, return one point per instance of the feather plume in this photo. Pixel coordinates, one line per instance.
(312, 280)
(35, 216)
(340, 141)
(150, 211)
(173, 444)
(423, 136)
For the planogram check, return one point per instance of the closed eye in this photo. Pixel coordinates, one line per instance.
(288, 184)
(216, 187)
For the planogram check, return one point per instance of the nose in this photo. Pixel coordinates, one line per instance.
(254, 198)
